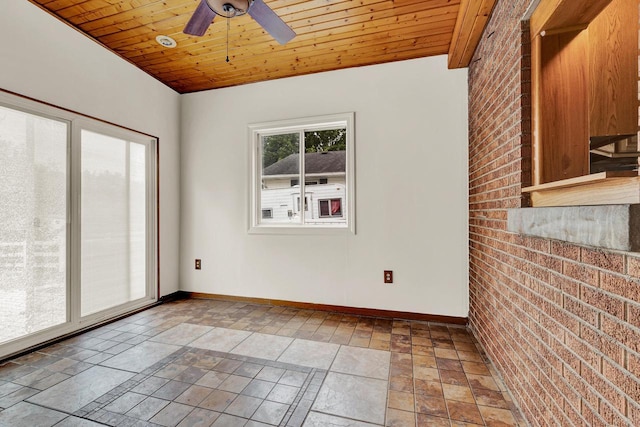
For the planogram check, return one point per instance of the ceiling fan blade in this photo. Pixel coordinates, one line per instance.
(271, 22)
(200, 20)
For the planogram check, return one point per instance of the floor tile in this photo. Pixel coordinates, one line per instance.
(430, 421)
(310, 353)
(194, 395)
(199, 417)
(269, 373)
(262, 346)
(182, 334)
(77, 391)
(150, 385)
(316, 419)
(140, 357)
(362, 361)
(270, 412)
(226, 420)
(482, 382)
(234, 383)
(243, 406)
(77, 422)
(258, 388)
(293, 378)
(190, 375)
(248, 370)
(212, 379)
(125, 403)
(359, 398)
(171, 415)
(27, 415)
(397, 418)
(495, 417)
(458, 393)
(431, 405)
(218, 400)
(17, 396)
(171, 390)
(220, 339)
(401, 400)
(283, 393)
(462, 411)
(8, 388)
(146, 409)
(490, 398)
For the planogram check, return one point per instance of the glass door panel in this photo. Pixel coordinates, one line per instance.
(33, 223)
(113, 222)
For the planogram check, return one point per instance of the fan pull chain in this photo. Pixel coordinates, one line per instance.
(228, 24)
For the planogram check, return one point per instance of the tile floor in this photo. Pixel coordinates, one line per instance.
(220, 363)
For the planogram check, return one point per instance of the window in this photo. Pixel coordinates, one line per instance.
(306, 203)
(267, 213)
(330, 208)
(78, 222)
(303, 158)
(584, 66)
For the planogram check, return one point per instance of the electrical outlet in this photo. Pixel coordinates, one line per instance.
(198, 264)
(388, 276)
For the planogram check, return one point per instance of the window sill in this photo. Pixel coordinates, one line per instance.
(605, 188)
(614, 227)
(301, 230)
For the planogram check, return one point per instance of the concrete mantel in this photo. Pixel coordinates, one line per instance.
(608, 226)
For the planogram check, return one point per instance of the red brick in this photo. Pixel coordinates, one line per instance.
(580, 272)
(603, 343)
(602, 301)
(582, 310)
(633, 412)
(621, 332)
(633, 314)
(622, 379)
(565, 250)
(633, 266)
(620, 285)
(603, 259)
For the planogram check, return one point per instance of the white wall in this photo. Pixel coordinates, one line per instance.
(42, 58)
(411, 200)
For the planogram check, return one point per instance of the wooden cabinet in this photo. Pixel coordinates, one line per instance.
(584, 82)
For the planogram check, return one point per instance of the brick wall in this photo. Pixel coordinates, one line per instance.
(561, 322)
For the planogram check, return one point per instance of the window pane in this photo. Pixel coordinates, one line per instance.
(325, 163)
(114, 217)
(33, 223)
(280, 190)
(324, 208)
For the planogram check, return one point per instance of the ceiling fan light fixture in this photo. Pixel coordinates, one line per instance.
(166, 41)
(229, 8)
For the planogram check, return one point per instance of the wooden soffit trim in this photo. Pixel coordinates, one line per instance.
(555, 15)
(472, 19)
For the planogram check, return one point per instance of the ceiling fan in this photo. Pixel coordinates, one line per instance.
(257, 9)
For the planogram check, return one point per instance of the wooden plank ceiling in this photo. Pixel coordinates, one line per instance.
(331, 34)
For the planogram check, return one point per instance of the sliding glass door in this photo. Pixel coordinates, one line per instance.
(78, 222)
(33, 223)
(114, 222)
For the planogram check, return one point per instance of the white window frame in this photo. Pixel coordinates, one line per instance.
(76, 122)
(257, 130)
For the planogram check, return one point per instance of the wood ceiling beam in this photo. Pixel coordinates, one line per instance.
(472, 19)
(558, 14)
